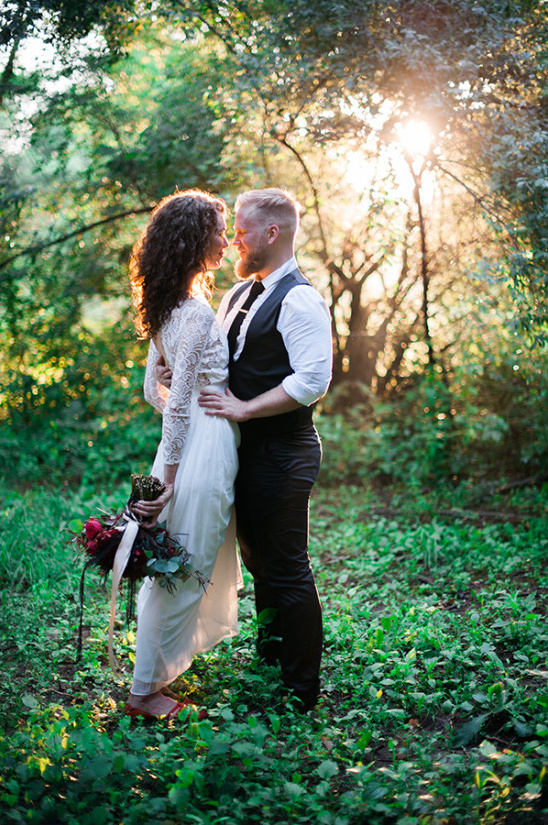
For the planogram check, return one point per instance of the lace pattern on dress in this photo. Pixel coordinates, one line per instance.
(195, 351)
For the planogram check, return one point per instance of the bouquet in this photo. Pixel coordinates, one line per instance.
(119, 541)
(154, 553)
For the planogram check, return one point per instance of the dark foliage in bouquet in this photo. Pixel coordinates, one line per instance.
(154, 552)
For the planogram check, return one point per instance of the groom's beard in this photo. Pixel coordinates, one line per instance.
(255, 262)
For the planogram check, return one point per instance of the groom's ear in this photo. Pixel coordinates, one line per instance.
(272, 232)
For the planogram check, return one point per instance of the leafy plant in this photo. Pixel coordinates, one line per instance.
(435, 704)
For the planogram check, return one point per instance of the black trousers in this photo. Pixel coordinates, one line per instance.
(273, 485)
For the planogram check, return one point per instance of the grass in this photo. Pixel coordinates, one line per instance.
(435, 706)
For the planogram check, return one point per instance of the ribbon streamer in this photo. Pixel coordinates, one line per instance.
(120, 563)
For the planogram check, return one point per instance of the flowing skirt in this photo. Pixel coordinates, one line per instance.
(173, 628)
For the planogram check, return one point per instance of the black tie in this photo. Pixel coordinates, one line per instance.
(254, 292)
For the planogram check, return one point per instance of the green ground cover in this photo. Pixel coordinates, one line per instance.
(435, 693)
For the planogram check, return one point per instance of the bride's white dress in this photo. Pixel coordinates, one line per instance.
(172, 628)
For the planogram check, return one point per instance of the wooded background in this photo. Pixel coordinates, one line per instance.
(415, 136)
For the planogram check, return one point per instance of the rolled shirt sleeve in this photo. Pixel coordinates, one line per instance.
(305, 327)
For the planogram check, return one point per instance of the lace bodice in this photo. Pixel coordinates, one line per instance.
(195, 349)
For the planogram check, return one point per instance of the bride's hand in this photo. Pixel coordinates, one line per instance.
(150, 510)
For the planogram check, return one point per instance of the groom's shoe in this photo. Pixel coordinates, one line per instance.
(302, 702)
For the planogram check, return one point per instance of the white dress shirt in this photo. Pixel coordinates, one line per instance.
(305, 327)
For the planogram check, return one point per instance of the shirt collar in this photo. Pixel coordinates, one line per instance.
(279, 273)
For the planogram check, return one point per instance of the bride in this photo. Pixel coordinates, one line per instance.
(197, 455)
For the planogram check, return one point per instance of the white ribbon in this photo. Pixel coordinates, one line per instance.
(120, 563)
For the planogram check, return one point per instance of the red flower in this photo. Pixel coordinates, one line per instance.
(92, 528)
(96, 536)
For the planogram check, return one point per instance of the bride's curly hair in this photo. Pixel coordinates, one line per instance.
(168, 263)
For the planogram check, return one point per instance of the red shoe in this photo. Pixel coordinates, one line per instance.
(202, 714)
(137, 713)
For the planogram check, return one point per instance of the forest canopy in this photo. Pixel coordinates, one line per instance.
(414, 135)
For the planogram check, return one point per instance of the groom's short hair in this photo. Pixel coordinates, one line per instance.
(272, 206)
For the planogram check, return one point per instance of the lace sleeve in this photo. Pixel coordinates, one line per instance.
(190, 336)
(155, 393)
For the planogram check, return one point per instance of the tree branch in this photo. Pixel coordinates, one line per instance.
(479, 199)
(213, 29)
(30, 250)
(7, 74)
(370, 269)
(316, 198)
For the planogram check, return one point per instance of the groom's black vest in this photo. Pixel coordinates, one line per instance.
(264, 361)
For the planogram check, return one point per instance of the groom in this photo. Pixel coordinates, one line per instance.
(279, 336)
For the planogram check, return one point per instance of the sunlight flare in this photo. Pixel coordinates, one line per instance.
(415, 137)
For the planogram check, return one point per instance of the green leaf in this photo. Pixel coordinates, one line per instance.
(160, 565)
(487, 748)
(386, 622)
(522, 729)
(266, 616)
(178, 796)
(468, 732)
(327, 769)
(119, 761)
(292, 789)
(364, 739)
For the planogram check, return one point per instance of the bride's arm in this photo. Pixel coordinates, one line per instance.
(156, 394)
(191, 337)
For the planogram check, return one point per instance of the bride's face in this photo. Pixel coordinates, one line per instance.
(217, 245)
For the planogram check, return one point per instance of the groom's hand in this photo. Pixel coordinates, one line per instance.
(163, 373)
(224, 405)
